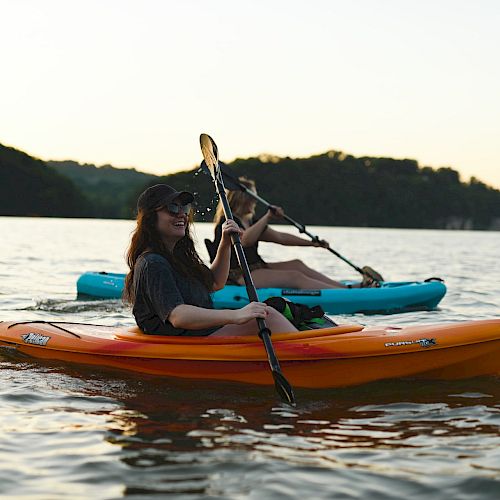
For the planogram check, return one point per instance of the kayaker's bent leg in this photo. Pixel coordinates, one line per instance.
(270, 278)
(298, 265)
(276, 322)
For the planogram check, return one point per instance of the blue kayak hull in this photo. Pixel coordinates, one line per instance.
(391, 297)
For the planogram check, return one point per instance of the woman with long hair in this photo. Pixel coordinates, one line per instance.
(168, 285)
(287, 274)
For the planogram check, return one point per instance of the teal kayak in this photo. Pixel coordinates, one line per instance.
(391, 297)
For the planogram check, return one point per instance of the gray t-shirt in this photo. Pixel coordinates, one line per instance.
(159, 288)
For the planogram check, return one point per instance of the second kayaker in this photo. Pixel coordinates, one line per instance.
(286, 274)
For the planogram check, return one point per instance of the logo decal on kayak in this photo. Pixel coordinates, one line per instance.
(422, 342)
(35, 339)
(293, 291)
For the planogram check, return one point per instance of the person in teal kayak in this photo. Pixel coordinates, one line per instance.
(168, 285)
(287, 274)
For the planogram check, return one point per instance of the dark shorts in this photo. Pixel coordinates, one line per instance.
(158, 328)
(187, 333)
(200, 333)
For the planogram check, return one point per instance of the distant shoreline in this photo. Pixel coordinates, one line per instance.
(55, 217)
(332, 189)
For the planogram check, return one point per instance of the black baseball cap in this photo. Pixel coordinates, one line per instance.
(159, 195)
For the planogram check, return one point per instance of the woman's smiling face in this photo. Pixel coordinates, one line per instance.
(171, 226)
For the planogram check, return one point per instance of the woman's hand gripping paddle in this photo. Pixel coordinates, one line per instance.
(211, 156)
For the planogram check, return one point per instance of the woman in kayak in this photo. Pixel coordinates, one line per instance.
(168, 285)
(287, 274)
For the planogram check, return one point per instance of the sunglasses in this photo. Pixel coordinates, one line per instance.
(176, 209)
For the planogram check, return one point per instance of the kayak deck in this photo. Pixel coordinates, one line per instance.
(334, 357)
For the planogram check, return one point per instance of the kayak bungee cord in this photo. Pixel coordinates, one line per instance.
(55, 324)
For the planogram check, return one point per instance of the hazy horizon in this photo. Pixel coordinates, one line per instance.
(133, 84)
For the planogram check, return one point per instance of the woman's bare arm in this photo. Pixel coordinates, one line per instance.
(288, 239)
(222, 261)
(190, 317)
(253, 234)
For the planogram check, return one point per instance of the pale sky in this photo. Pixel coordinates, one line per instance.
(133, 83)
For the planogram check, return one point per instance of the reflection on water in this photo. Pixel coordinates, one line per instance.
(127, 434)
(79, 432)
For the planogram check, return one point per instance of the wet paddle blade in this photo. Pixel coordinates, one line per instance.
(283, 388)
(210, 153)
(371, 273)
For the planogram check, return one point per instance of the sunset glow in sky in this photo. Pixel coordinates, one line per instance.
(133, 83)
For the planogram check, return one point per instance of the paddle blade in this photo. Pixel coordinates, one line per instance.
(210, 153)
(283, 388)
(371, 273)
(231, 182)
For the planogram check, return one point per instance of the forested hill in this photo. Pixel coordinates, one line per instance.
(107, 188)
(328, 189)
(29, 187)
(338, 189)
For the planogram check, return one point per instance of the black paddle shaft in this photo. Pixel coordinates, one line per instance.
(264, 332)
(283, 387)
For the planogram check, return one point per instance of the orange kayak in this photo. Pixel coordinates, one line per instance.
(333, 357)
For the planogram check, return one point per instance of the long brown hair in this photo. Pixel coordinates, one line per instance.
(239, 201)
(183, 258)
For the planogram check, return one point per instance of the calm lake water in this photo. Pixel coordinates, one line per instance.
(78, 432)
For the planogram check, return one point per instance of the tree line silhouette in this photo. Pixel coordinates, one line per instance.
(327, 189)
(338, 189)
